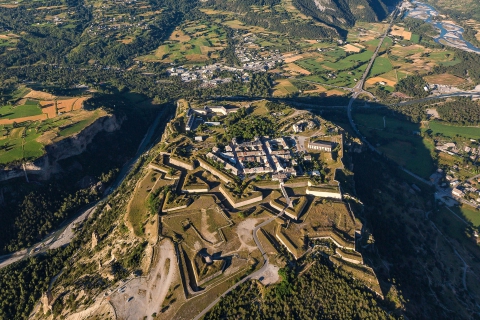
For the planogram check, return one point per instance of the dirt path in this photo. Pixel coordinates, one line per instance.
(269, 276)
(245, 234)
(144, 296)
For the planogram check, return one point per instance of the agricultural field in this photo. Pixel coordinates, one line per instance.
(445, 79)
(417, 58)
(396, 138)
(28, 109)
(26, 140)
(283, 87)
(471, 215)
(452, 131)
(9, 40)
(192, 42)
(38, 118)
(380, 66)
(363, 31)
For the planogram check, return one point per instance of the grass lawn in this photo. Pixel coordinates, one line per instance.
(343, 78)
(350, 61)
(311, 65)
(452, 131)
(26, 110)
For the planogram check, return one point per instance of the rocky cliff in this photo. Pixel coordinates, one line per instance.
(47, 165)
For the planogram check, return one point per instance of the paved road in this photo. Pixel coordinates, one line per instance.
(256, 274)
(45, 244)
(440, 96)
(359, 89)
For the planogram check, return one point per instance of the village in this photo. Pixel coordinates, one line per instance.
(252, 59)
(455, 180)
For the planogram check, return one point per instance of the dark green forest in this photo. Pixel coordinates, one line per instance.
(323, 292)
(412, 86)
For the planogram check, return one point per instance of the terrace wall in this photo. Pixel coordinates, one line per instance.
(235, 204)
(323, 193)
(214, 171)
(193, 190)
(174, 208)
(182, 164)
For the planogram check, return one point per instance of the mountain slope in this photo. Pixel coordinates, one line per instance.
(343, 13)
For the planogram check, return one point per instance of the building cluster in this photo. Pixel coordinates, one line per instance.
(303, 125)
(252, 60)
(263, 155)
(226, 164)
(256, 60)
(208, 74)
(462, 189)
(252, 156)
(452, 149)
(207, 111)
(320, 146)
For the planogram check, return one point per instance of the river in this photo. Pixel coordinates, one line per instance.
(450, 33)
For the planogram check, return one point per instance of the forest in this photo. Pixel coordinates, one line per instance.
(469, 66)
(412, 86)
(323, 292)
(23, 283)
(461, 111)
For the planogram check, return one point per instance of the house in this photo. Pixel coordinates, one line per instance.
(190, 122)
(320, 145)
(199, 138)
(297, 127)
(457, 193)
(212, 123)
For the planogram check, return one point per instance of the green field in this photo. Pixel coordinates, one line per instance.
(415, 38)
(472, 215)
(397, 141)
(30, 108)
(380, 65)
(452, 131)
(20, 143)
(69, 130)
(16, 148)
(350, 61)
(343, 78)
(311, 65)
(454, 226)
(194, 44)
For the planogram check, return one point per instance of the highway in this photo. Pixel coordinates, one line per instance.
(473, 94)
(50, 240)
(358, 89)
(254, 275)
